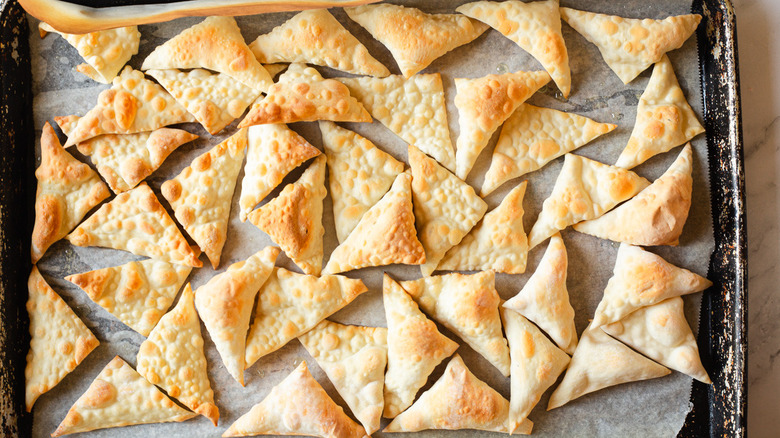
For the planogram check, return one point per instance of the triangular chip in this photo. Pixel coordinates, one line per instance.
(132, 104)
(124, 160)
(225, 305)
(535, 27)
(215, 99)
(119, 397)
(498, 242)
(468, 306)
(360, 174)
(445, 207)
(662, 333)
(302, 95)
(459, 400)
(216, 44)
(135, 221)
(67, 190)
(631, 45)
(67, 123)
(201, 194)
(656, 215)
(585, 189)
(59, 339)
(354, 358)
(384, 236)
(172, 358)
(641, 279)
(414, 348)
(316, 37)
(545, 300)
(483, 105)
(536, 363)
(297, 406)
(105, 51)
(532, 137)
(273, 152)
(664, 119)
(600, 362)
(137, 293)
(293, 219)
(415, 38)
(414, 109)
(290, 304)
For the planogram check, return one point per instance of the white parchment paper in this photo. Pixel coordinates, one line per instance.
(652, 408)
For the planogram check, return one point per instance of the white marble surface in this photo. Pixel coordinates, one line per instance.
(758, 35)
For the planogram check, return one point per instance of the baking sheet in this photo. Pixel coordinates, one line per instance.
(597, 93)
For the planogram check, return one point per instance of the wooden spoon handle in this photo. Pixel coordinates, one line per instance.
(72, 18)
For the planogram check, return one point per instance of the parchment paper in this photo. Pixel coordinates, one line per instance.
(651, 408)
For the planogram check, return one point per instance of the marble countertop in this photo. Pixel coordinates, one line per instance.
(758, 36)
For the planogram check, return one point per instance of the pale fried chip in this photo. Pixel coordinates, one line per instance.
(384, 236)
(301, 95)
(536, 363)
(585, 189)
(201, 194)
(534, 26)
(172, 358)
(498, 242)
(216, 44)
(532, 137)
(273, 151)
(290, 304)
(415, 38)
(599, 362)
(354, 358)
(132, 104)
(483, 105)
(297, 406)
(225, 306)
(641, 279)
(316, 37)
(662, 333)
(445, 207)
(67, 190)
(138, 293)
(105, 51)
(293, 219)
(468, 306)
(214, 99)
(459, 400)
(656, 215)
(119, 397)
(545, 300)
(59, 339)
(414, 348)
(664, 120)
(414, 109)
(135, 221)
(630, 45)
(360, 174)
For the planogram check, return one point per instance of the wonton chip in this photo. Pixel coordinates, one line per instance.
(535, 27)
(415, 38)
(630, 45)
(354, 358)
(414, 109)
(59, 339)
(532, 137)
(316, 37)
(656, 215)
(201, 194)
(67, 190)
(293, 219)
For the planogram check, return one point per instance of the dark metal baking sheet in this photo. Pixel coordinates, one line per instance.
(718, 410)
